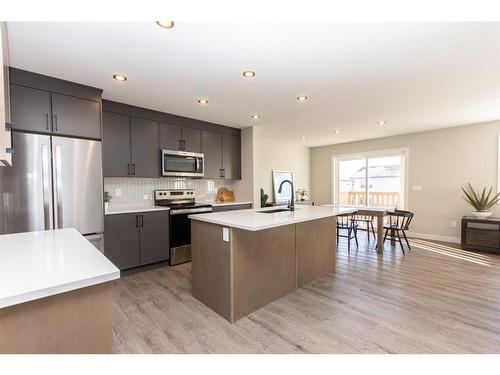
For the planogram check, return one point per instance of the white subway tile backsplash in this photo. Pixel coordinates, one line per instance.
(133, 191)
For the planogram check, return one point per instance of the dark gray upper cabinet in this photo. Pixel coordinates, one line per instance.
(170, 137)
(76, 116)
(144, 148)
(116, 145)
(30, 109)
(212, 150)
(155, 238)
(231, 156)
(122, 243)
(191, 139)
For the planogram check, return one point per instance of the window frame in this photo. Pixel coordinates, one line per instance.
(404, 152)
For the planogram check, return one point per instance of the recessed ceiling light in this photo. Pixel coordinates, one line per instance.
(302, 98)
(303, 138)
(165, 24)
(336, 131)
(119, 77)
(381, 123)
(248, 74)
(255, 117)
(203, 101)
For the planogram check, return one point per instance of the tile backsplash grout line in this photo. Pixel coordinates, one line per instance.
(134, 189)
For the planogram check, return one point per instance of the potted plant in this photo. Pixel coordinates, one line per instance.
(301, 193)
(482, 202)
(263, 199)
(107, 199)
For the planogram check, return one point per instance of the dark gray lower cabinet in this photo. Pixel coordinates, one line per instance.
(136, 239)
(121, 240)
(155, 237)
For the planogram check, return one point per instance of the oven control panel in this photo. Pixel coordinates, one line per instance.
(172, 195)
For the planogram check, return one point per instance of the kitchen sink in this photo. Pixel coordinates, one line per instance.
(273, 211)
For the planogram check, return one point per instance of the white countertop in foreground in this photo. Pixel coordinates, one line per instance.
(35, 265)
(254, 220)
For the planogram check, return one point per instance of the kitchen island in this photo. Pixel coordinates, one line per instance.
(55, 294)
(243, 260)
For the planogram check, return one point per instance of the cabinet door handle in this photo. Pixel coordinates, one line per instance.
(137, 221)
(128, 169)
(55, 121)
(223, 173)
(142, 220)
(47, 120)
(133, 169)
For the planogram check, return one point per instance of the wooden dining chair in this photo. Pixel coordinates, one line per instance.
(368, 220)
(399, 223)
(346, 222)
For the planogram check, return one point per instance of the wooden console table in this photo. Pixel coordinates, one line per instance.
(481, 234)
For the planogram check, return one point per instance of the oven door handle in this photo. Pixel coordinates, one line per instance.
(191, 211)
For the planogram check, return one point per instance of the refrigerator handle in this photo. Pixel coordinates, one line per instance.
(46, 186)
(58, 188)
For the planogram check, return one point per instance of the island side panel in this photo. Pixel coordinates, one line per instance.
(211, 267)
(316, 246)
(76, 322)
(263, 267)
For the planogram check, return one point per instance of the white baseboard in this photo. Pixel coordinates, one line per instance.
(434, 237)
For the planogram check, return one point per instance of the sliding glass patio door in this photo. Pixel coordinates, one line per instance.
(375, 179)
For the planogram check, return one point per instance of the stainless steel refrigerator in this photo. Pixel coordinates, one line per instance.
(55, 182)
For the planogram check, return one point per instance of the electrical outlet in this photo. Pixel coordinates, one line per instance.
(118, 192)
(146, 197)
(453, 223)
(417, 187)
(225, 234)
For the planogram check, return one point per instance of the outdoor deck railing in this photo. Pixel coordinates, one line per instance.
(384, 199)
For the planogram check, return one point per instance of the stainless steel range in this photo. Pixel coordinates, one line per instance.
(182, 203)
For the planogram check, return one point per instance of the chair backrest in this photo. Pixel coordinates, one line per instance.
(343, 221)
(401, 219)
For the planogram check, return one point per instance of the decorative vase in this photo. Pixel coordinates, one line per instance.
(302, 199)
(106, 206)
(481, 214)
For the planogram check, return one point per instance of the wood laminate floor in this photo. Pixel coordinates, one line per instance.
(436, 299)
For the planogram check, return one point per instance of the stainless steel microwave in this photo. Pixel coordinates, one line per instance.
(181, 164)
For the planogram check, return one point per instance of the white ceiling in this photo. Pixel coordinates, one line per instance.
(414, 76)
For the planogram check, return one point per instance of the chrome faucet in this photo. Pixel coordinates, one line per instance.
(291, 204)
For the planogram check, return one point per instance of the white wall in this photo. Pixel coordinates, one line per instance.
(441, 161)
(271, 154)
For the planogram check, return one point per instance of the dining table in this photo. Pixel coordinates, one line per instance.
(375, 211)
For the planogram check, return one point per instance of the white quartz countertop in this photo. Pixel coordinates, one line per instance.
(36, 265)
(133, 209)
(257, 220)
